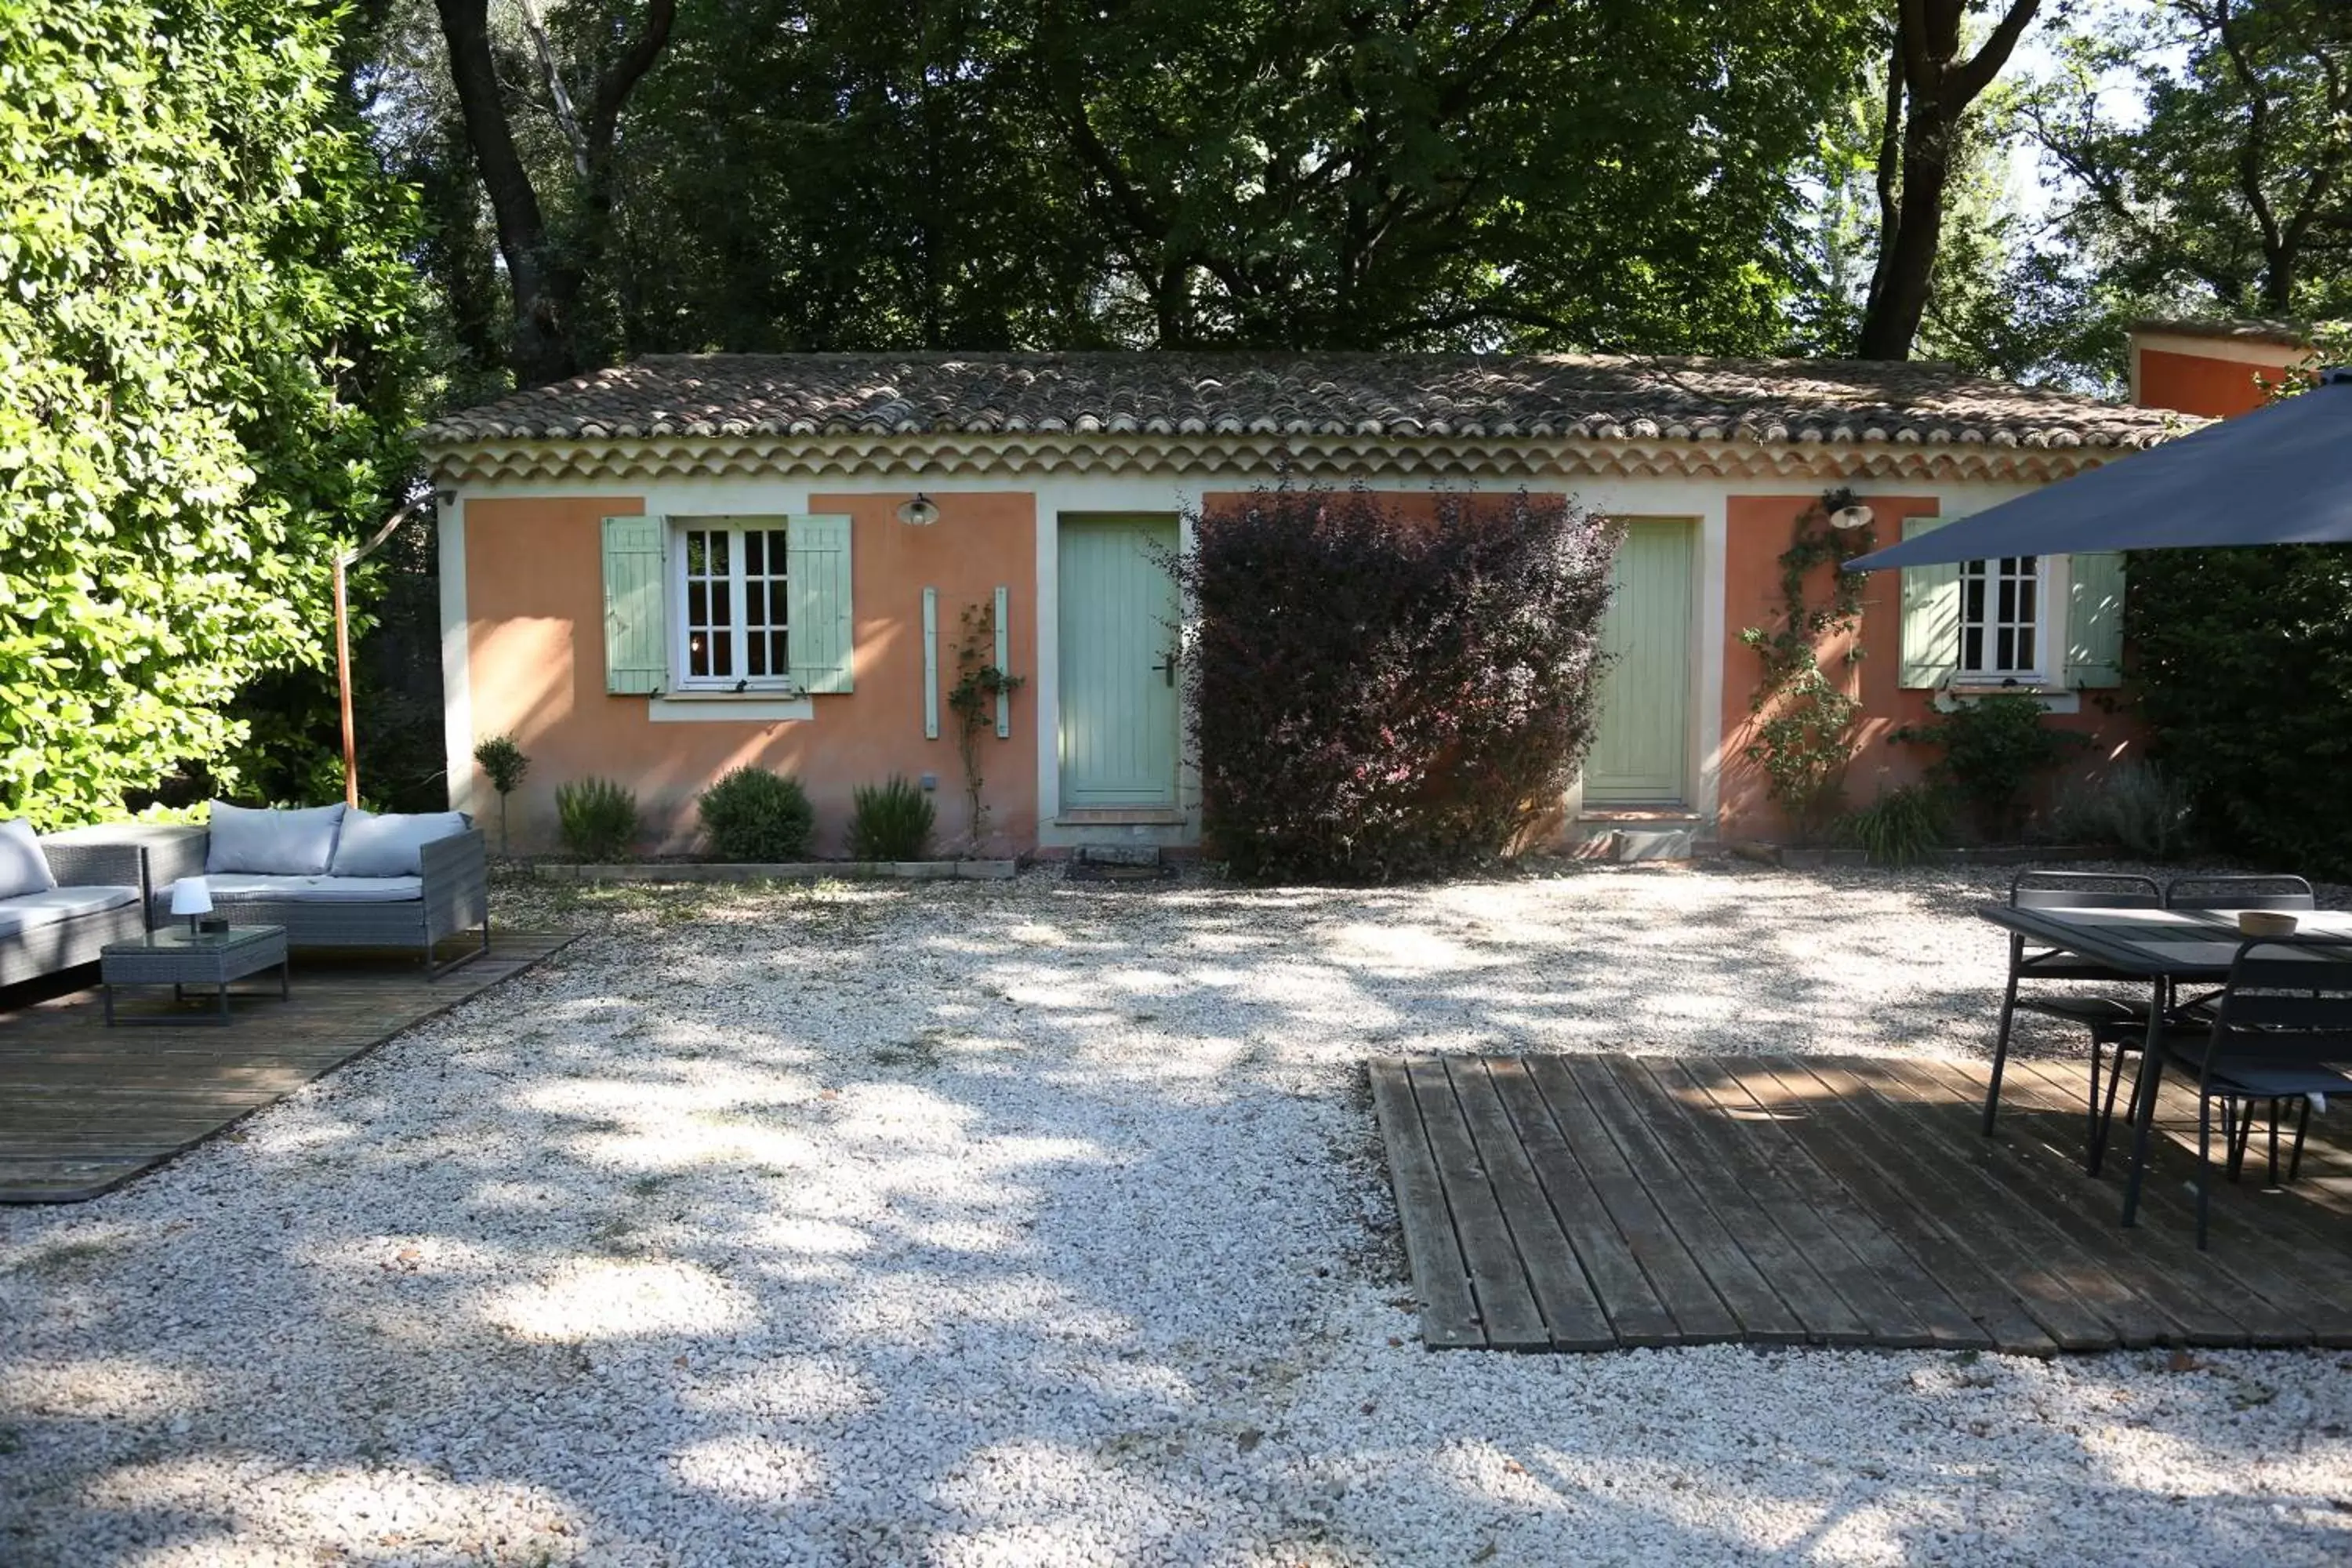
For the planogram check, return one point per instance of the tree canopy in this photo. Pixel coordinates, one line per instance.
(205, 318)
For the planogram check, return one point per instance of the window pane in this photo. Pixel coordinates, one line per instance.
(776, 603)
(1972, 599)
(698, 604)
(722, 604)
(2008, 599)
(755, 655)
(780, 657)
(722, 653)
(1972, 647)
(2025, 610)
(697, 654)
(753, 555)
(2005, 649)
(719, 543)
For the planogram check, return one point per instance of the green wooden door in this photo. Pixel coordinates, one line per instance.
(1640, 751)
(1118, 697)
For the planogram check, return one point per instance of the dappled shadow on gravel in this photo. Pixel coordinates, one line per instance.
(1042, 1223)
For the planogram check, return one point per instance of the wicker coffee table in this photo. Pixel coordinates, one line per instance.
(178, 957)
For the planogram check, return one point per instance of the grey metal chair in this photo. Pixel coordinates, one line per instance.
(2237, 891)
(2280, 1032)
(2110, 1019)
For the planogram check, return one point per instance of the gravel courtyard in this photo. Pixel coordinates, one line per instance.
(1042, 1223)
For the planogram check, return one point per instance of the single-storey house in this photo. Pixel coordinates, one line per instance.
(660, 572)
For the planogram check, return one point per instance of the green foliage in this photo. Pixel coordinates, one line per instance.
(752, 814)
(1903, 826)
(971, 701)
(798, 174)
(889, 820)
(597, 818)
(1992, 750)
(2217, 185)
(1806, 724)
(2139, 807)
(502, 761)
(1372, 695)
(2242, 672)
(205, 314)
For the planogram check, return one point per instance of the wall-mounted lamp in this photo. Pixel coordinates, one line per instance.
(920, 511)
(1845, 509)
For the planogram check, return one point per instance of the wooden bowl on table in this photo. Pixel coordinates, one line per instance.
(2264, 922)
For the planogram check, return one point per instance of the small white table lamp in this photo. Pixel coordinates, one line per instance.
(192, 897)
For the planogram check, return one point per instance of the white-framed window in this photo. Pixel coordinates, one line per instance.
(734, 605)
(2004, 619)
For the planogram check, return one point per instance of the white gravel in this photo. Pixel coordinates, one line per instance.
(1031, 1222)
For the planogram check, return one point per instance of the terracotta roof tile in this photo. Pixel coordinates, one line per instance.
(1499, 396)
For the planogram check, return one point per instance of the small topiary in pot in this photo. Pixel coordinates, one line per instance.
(752, 814)
(890, 821)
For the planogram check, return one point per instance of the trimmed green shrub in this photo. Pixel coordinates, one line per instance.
(890, 821)
(504, 764)
(597, 818)
(1375, 695)
(2241, 669)
(756, 816)
(1903, 826)
(1994, 748)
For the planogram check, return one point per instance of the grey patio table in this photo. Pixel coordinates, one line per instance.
(2163, 946)
(178, 957)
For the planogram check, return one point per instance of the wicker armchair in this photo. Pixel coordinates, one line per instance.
(79, 938)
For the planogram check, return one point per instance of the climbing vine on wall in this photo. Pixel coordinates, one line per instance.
(972, 701)
(1808, 724)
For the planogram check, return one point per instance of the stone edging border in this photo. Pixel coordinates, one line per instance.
(782, 871)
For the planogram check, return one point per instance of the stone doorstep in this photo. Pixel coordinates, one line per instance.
(782, 871)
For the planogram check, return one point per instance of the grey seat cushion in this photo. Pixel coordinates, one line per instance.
(390, 846)
(23, 867)
(240, 887)
(54, 906)
(272, 843)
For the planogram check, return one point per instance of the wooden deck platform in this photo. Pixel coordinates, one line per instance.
(84, 1108)
(1593, 1202)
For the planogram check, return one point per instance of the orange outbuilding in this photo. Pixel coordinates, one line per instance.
(659, 572)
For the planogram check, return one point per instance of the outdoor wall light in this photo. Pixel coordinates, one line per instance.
(920, 511)
(1845, 509)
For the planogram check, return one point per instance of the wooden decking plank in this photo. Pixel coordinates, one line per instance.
(2062, 1268)
(1936, 1317)
(1441, 1280)
(1764, 1316)
(1635, 1314)
(1506, 1305)
(1571, 1311)
(1681, 1284)
(2305, 1228)
(2308, 1281)
(1851, 1307)
(2018, 1271)
(1998, 1320)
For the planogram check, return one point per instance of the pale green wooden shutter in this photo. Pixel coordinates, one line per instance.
(821, 632)
(636, 630)
(1931, 615)
(2094, 619)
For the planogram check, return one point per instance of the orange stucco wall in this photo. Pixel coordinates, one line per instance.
(1759, 529)
(2213, 387)
(535, 611)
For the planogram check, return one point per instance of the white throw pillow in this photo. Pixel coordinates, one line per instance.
(272, 843)
(23, 867)
(391, 844)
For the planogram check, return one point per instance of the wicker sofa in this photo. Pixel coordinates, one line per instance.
(100, 897)
(449, 897)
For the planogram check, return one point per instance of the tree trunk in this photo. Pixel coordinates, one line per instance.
(1937, 87)
(538, 351)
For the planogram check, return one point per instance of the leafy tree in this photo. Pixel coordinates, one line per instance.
(2229, 187)
(206, 311)
(1933, 77)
